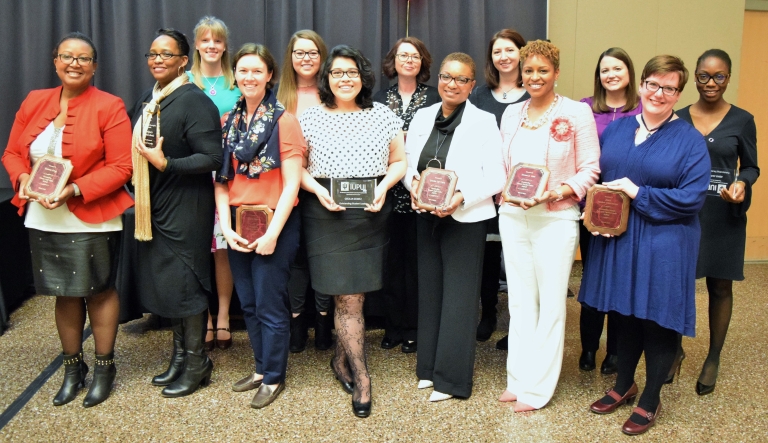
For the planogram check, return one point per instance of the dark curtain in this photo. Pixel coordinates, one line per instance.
(123, 31)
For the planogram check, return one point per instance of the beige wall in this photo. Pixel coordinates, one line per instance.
(583, 29)
(753, 96)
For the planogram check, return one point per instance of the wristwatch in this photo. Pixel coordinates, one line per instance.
(559, 194)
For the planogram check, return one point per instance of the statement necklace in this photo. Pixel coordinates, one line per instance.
(651, 131)
(541, 120)
(212, 90)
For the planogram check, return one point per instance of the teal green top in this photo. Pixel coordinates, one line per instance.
(224, 98)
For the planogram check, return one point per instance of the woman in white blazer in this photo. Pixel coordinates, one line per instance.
(453, 135)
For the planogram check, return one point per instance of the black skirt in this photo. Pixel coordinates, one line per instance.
(345, 249)
(74, 264)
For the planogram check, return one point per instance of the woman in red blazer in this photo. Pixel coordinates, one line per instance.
(74, 235)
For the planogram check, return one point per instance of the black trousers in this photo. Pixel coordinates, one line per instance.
(450, 267)
(591, 320)
(636, 336)
(489, 288)
(401, 283)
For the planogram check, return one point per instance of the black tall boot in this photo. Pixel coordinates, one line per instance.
(197, 367)
(177, 358)
(298, 340)
(74, 378)
(323, 334)
(103, 376)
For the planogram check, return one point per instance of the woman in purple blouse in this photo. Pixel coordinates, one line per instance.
(615, 97)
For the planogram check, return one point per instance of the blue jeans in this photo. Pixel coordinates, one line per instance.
(261, 282)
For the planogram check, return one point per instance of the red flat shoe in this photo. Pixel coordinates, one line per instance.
(599, 407)
(632, 428)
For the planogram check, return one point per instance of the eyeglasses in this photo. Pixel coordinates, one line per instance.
(299, 54)
(405, 57)
(68, 59)
(460, 80)
(703, 78)
(666, 90)
(162, 55)
(352, 73)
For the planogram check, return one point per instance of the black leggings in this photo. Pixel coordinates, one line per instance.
(636, 336)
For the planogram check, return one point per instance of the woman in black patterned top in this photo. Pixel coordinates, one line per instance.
(409, 61)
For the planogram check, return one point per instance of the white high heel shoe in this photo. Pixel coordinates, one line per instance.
(423, 384)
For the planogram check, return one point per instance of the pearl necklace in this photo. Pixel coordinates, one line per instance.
(541, 120)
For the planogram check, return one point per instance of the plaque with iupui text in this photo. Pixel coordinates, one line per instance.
(436, 188)
(252, 221)
(48, 178)
(525, 182)
(606, 211)
(353, 192)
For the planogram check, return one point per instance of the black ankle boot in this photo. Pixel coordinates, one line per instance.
(103, 377)
(197, 367)
(298, 333)
(177, 358)
(323, 335)
(74, 378)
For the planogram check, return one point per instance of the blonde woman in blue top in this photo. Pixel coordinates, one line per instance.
(212, 72)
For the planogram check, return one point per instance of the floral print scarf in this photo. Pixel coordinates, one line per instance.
(255, 144)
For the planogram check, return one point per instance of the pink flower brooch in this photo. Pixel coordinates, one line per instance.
(561, 129)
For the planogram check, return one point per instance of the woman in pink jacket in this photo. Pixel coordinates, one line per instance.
(540, 235)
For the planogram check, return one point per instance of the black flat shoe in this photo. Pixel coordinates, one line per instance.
(347, 386)
(587, 361)
(503, 344)
(389, 343)
(361, 410)
(610, 364)
(703, 389)
(409, 347)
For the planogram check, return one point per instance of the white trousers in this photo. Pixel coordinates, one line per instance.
(538, 252)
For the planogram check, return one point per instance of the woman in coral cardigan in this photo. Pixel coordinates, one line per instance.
(540, 236)
(74, 235)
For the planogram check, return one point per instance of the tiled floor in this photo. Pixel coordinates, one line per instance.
(314, 408)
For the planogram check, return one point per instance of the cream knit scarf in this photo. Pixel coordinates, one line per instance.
(140, 180)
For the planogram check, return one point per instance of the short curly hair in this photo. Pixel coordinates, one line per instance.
(388, 65)
(543, 49)
(363, 99)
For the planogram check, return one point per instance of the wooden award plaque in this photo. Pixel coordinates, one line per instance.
(436, 188)
(606, 211)
(525, 182)
(48, 178)
(252, 221)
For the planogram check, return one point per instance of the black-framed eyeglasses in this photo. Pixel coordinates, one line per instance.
(299, 54)
(460, 80)
(352, 73)
(666, 90)
(405, 57)
(68, 59)
(162, 55)
(703, 78)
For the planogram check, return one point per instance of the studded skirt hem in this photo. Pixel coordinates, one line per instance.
(74, 264)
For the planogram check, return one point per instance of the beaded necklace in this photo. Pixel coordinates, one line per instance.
(526, 123)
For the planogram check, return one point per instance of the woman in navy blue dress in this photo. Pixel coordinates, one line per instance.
(731, 138)
(647, 274)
